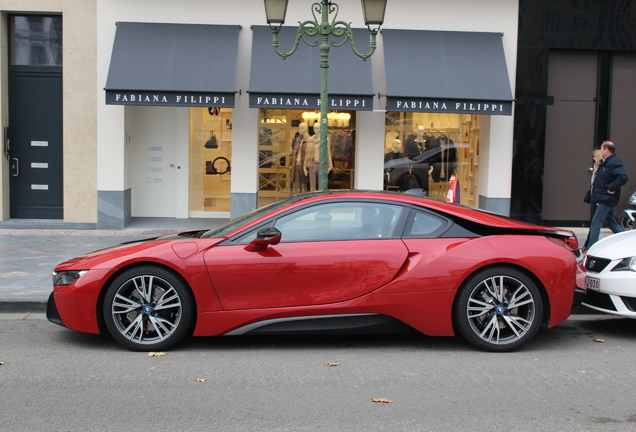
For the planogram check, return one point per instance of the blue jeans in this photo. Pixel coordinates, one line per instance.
(604, 214)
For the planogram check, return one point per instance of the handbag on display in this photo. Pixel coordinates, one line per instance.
(209, 168)
(212, 143)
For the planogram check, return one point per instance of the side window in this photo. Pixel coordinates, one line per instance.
(340, 221)
(423, 225)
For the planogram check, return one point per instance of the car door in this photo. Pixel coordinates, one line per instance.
(328, 253)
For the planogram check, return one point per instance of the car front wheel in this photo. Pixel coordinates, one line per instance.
(498, 309)
(148, 308)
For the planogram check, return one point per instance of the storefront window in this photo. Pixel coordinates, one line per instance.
(287, 163)
(433, 153)
(210, 159)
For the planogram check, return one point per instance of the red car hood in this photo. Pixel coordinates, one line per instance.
(135, 251)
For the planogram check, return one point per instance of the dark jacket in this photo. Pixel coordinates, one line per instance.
(610, 176)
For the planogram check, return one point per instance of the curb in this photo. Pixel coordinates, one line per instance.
(23, 306)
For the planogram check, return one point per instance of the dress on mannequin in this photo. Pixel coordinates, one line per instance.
(416, 144)
(299, 147)
(312, 158)
(444, 161)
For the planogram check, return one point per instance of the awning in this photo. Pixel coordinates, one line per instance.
(294, 83)
(446, 72)
(173, 65)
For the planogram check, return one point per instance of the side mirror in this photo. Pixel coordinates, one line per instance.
(264, 237)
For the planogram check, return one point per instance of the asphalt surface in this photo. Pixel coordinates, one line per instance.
(28, 256)
(570, 378)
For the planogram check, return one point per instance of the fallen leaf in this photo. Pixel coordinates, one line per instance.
(383, 400)
(157, 354)
(200, 379)
(599, 340)
(333, 364)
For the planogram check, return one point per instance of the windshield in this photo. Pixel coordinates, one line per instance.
(230, 226)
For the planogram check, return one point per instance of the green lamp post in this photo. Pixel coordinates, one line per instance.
(373, 11)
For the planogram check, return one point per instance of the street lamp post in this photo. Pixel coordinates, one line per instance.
(373, 16)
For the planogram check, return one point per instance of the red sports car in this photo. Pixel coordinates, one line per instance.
(346, 262)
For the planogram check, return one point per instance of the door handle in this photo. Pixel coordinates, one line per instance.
(15, 167)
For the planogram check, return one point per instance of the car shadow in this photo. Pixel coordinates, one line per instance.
(324, 342)
(405, 342)
(563, 336)
(86, 340)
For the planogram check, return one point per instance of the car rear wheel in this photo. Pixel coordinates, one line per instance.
(625, 222)
(148, 308)
(498, 309)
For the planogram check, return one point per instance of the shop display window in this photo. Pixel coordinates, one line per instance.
(433, 154)
(285, 136)
(210, 159)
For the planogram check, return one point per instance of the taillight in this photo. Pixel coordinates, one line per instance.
(571, 242)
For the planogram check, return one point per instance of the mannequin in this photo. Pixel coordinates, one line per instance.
(421, 140)
(417, 144)
(396, 153)
(312, 158)
(443, 161)
(299, 147)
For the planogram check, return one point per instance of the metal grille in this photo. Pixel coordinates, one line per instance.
(595, 264)
(630, 302)
(599, 300)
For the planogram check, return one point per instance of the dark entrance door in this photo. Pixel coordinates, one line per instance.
(35, 132)
(35, 117)
(569, 137)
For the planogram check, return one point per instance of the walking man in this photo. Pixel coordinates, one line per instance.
(606, 192)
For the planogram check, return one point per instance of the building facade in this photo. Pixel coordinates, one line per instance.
(184, 110)
(575, 88)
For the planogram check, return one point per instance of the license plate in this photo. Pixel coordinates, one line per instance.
(592, 283)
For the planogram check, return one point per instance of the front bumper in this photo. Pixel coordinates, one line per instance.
(579, 287)
(612, 304)
(579, 296)
(52, 313)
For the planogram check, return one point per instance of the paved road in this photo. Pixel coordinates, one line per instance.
(55, 379)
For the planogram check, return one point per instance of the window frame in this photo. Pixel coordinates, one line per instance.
(444, 227)
(240, 238)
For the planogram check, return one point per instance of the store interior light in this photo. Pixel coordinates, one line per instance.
(310, 117)
(334, 119)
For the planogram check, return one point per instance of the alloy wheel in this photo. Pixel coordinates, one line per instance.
(149, 309)
(500, 311)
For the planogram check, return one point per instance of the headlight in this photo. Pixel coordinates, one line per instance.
(67, 277)
(626, 264)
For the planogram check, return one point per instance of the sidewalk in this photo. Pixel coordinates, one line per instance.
(28, 256)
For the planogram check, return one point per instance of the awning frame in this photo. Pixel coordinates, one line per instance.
(297, 83)
(164, 64)
(452, 72)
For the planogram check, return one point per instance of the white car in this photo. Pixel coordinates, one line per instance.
(610, 277)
